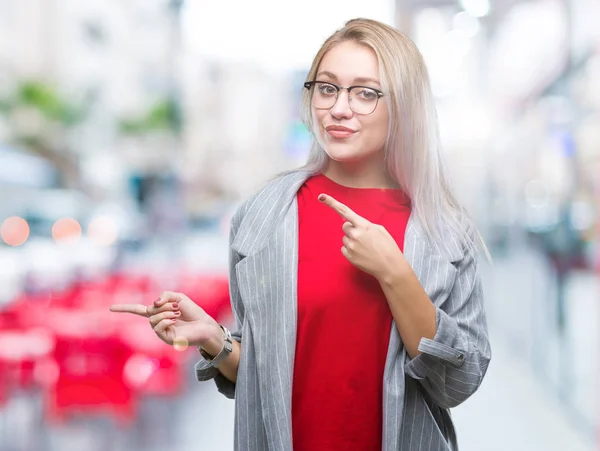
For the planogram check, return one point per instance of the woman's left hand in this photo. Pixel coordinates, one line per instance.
(367, 246)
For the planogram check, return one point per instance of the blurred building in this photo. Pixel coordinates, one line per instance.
(515, 106)
(236, 118)
(117, 59)
(518, 91)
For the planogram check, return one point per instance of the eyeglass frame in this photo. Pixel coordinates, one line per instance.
(309, 84)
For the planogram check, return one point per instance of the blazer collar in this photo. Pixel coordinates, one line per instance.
(265, 210)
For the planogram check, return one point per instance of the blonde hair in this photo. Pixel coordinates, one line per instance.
(413, 151)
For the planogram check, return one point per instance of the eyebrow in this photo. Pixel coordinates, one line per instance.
(356, 80)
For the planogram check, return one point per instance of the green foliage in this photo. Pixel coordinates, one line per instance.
(161, 117)
(44, 98)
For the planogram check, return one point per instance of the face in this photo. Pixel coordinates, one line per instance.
(346, 135)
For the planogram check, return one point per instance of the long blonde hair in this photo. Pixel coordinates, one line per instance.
(413, 151)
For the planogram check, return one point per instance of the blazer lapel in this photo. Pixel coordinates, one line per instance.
(267, 276)
(265, 211)
(429, 260)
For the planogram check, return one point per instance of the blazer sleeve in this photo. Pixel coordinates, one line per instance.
(204, 370)
(452, 365)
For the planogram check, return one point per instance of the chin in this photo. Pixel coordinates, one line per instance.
(344, 153)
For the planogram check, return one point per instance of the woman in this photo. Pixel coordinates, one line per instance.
(366, 347)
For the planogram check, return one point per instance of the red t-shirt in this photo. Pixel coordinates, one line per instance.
(344, 323)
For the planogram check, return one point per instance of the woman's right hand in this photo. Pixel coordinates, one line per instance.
(177, 320)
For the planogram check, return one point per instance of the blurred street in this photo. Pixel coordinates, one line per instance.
(512, 409)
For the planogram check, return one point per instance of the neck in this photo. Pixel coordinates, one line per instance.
(359, 175)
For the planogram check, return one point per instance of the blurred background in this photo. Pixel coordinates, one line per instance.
(130, 130)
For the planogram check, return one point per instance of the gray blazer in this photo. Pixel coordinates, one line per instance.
(417, 393)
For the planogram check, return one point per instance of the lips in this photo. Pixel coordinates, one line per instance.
(339, 128)
(339, 131)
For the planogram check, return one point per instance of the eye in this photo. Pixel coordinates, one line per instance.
(367, 94)
(326, 89)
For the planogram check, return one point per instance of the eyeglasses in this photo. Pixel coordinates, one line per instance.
(362, 100)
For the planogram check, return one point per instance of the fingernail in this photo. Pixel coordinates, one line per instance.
(322, 197)
(177, 313)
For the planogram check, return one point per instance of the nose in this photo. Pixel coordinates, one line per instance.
(341, 107)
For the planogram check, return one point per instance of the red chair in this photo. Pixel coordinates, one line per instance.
(90, 366)
(154, 368)
(4, 384)
(20, 350)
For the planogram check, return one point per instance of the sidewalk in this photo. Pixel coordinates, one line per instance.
(521, 305)
(512, 411)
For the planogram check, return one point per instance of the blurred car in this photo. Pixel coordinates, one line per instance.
(68, 236)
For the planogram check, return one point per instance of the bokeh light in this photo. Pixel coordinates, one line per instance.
(66, 230)
(180, 343)
(14, 231)
(102, 231)
(139, 369)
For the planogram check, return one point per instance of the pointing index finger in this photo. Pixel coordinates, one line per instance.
(343, 210)
(136, 309)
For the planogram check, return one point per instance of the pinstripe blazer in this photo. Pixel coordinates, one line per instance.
(417, 394)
